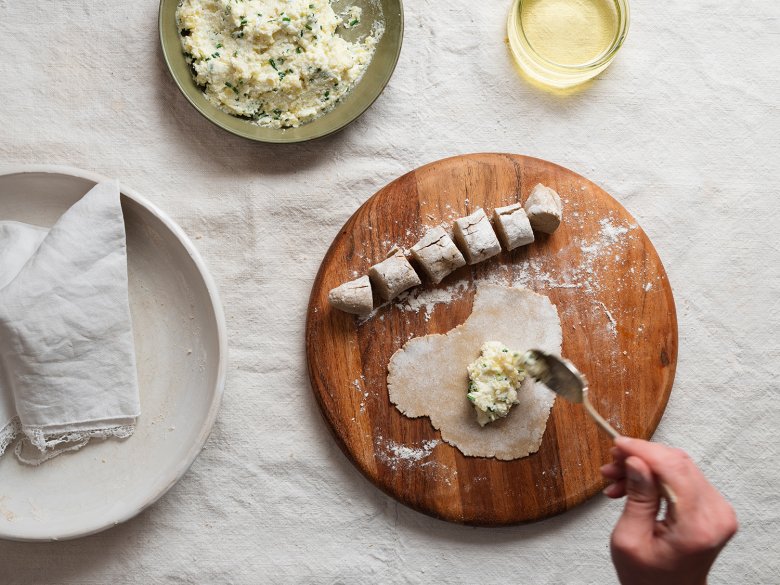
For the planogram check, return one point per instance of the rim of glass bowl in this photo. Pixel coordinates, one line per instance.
(624, 20)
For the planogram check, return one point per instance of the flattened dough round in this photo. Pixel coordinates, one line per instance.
(427, 376)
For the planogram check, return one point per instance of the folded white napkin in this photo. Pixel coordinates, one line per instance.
(67, 359)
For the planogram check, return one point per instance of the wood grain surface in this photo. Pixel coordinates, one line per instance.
(617, 314)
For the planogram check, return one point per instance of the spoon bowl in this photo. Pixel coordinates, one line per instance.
(558, 374)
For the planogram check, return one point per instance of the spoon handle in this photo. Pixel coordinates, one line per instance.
(666, 491)
(597, 417)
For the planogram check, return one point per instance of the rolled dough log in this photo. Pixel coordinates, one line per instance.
(476, 237)
(437, 254)
(353, 297)
(512, 226)
(393, 276)
(427, 377)
(544, 209)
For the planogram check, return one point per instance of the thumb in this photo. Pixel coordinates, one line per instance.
(642, 497)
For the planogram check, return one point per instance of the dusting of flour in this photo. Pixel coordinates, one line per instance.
(397, 456)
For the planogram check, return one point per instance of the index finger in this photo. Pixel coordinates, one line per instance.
(672, 466)
(654, 454)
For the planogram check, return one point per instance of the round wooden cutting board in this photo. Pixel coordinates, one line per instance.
(617, 314)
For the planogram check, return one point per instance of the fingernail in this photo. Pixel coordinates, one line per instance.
(634, 475)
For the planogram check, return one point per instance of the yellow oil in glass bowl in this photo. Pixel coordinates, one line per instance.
(562, 43)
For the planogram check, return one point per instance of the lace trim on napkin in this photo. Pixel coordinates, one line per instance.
(49, 445)
(8, 433)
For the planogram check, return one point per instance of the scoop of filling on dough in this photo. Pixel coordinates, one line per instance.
(494, 379)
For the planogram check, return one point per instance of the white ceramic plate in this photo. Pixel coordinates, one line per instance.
(181, 349)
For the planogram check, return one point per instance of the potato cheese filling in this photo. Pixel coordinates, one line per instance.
(280, 63)
(494, 379)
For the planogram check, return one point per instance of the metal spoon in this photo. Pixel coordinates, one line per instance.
(562, 377)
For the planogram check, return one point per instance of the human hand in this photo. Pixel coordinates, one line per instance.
(680, 548)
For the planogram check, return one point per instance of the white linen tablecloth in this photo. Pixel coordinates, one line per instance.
(683, 129)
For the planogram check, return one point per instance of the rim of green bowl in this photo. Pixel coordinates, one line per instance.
(356, 103)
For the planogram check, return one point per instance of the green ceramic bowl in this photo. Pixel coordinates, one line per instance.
(351, 107)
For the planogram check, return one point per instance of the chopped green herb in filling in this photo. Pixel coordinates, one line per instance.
(494, 380)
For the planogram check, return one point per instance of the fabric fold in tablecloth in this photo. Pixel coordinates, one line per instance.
(67, 357)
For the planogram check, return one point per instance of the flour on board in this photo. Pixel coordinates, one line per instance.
(397, 456)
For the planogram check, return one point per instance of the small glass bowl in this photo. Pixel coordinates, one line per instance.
(556, 75)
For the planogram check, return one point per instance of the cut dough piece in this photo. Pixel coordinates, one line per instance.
(544, 209)
(427, 377)
(512, 226)
(394, 275)
(476, 237)
(437, 254)
(353, 297)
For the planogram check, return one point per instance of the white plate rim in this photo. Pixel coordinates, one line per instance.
(177, 472)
